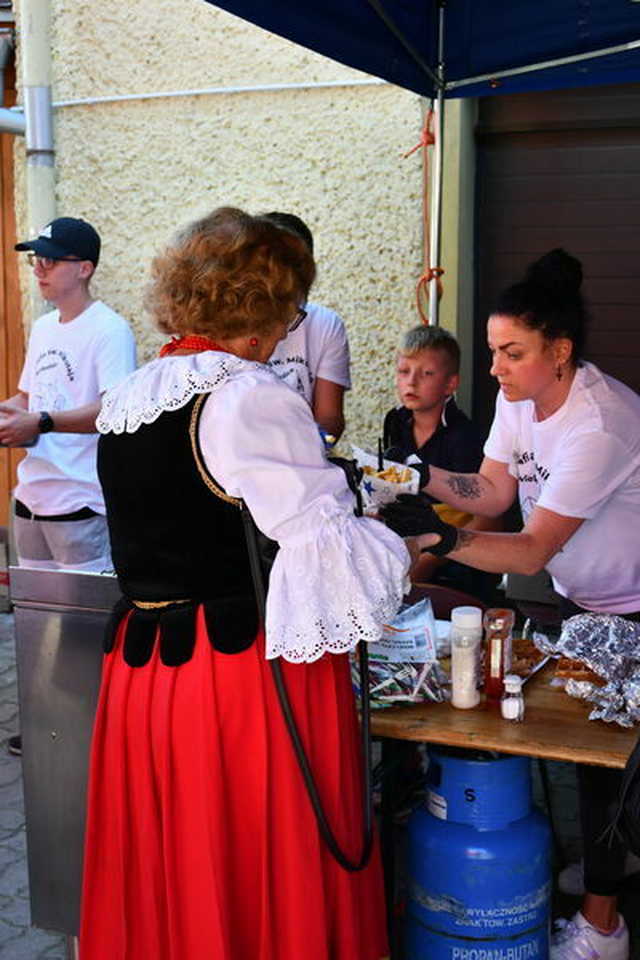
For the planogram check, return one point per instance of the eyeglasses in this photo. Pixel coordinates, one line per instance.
(48, 263)
(295, 323)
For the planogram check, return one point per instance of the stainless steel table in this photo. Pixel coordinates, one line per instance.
(60, 618)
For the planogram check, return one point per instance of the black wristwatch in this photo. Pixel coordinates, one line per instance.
(45, 423)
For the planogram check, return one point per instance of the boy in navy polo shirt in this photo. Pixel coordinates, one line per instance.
(428, 424)
(428, 427)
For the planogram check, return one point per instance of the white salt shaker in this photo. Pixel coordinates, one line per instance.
(512, 702)
(466, 640)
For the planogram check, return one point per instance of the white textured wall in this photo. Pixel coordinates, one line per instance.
(137, 170)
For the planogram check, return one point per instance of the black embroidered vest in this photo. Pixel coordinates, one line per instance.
(175, 536)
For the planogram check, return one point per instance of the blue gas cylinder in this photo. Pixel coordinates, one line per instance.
(478, 863)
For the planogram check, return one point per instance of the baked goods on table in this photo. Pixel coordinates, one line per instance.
(525, 656)
(599, 661)
(568, 669)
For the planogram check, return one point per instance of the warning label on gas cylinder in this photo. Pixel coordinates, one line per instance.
(522, 912)
(511, 915)
(520, 951)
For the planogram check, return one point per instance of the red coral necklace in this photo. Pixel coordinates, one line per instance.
(192, 342)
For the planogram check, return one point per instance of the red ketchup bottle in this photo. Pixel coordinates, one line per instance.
(498, 626)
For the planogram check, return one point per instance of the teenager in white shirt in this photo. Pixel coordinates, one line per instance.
(314, 358)
(566, 439)
(75, 353)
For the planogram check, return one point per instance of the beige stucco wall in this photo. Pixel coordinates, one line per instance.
(138, 169)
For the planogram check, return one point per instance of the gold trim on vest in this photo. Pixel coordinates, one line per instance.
(202, 470)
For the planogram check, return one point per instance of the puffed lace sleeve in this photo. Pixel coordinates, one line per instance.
(337, 578)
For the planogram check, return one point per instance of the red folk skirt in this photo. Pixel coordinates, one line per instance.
(201, 842)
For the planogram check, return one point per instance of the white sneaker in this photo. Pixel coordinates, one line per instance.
(576, 939)
(571, 879)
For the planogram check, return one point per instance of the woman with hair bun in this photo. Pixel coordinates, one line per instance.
(201, 841)
(566, 440)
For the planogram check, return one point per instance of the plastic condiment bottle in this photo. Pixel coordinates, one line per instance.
(466, 641)
(498, 625)
(512, 703)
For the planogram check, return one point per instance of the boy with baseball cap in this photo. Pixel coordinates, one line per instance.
(65, 238)
(75, 353)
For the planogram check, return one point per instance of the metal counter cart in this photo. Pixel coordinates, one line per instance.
(60, 618)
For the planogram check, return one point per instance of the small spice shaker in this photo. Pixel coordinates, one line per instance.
(512, 702)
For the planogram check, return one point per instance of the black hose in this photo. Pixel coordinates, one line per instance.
(326, 832)
(312, 790)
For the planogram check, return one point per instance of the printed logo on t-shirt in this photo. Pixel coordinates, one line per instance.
(531, 477)
(54, 359)
(533, 472)
(294, 371)
(53, 368)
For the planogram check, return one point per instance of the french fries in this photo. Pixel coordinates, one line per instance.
(390, 474)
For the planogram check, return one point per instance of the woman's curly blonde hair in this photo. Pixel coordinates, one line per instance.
(229, 275)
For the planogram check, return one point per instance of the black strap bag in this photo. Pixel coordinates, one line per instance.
(262, 553)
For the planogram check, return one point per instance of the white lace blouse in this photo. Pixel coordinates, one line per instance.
(337, 578)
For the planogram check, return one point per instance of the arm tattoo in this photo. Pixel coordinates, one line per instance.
(467, 487)
(464, 539)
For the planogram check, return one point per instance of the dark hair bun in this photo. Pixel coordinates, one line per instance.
(558, 274)
(548, 299)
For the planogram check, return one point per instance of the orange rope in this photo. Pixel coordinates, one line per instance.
(429, 273)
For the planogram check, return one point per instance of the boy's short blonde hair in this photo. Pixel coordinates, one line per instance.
(431, 338)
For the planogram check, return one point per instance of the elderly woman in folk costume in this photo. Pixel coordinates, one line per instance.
(201, 837)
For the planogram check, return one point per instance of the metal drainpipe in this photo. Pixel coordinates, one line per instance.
(36, 91)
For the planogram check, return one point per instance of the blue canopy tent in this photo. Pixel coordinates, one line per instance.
(461, 48)
(482, 40)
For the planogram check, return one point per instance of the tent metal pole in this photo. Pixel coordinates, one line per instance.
(392, 27)
(436, 184)
(544, 65)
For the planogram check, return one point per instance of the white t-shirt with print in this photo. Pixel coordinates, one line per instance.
(583, 461)
(318, 348)
(69, 365)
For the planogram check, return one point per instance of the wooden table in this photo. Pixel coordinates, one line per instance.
(555, 727)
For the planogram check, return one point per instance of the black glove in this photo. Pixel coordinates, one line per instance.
(397, 455)
(412, 514)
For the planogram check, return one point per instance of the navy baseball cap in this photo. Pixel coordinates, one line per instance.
(65, 237)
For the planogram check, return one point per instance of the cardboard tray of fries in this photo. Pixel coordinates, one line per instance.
(383, 486)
